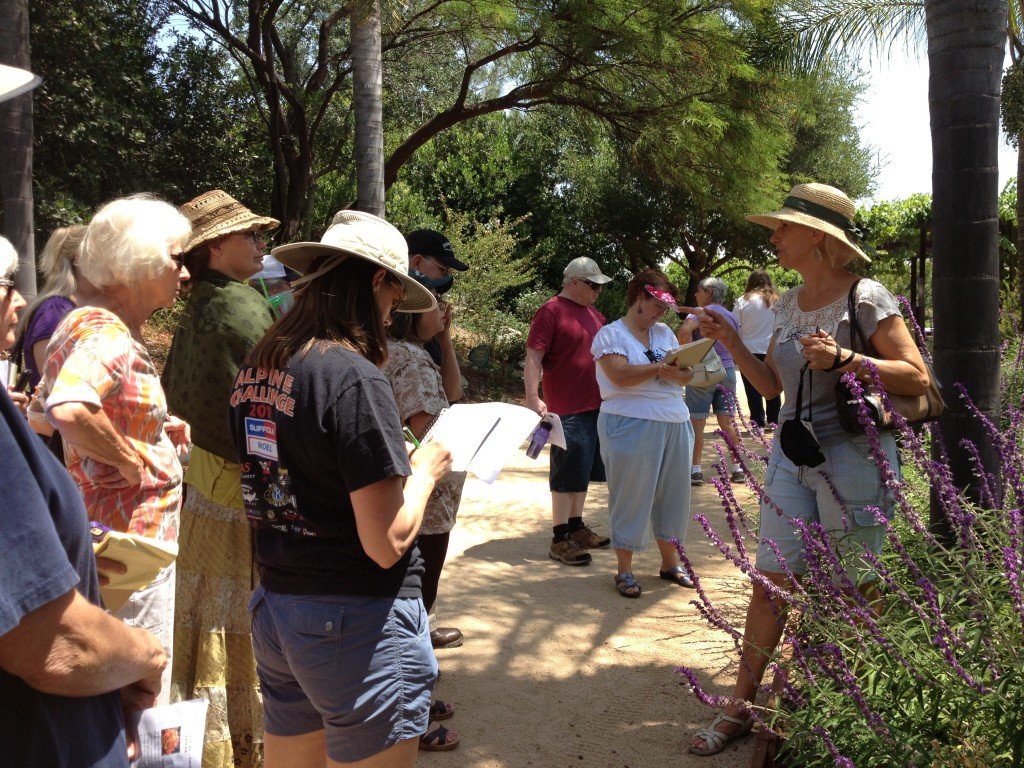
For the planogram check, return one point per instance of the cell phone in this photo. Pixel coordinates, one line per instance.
(21, 381)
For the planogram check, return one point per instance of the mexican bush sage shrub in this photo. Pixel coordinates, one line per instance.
(931, 674)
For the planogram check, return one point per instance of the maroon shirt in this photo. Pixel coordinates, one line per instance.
(564, 330)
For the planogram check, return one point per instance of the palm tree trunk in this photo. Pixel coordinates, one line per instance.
(965, 57)
(16, 146)
(366, 82)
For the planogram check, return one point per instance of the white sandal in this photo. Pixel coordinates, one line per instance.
(715, 740)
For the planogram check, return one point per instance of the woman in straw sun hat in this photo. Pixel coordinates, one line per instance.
(828, 478)
(222, 320)
(339, 629)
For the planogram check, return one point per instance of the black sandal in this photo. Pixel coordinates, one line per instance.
(438, 739)
(678, 575)
(439, 710)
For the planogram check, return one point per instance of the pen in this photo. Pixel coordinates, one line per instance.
(411, 437)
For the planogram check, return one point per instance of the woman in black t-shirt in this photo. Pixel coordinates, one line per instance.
(339, 630)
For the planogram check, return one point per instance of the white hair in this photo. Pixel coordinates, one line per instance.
(127, 240)
(8, 259)
(716, 287)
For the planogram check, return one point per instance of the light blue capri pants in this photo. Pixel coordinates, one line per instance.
(806, 494)
(647, 464)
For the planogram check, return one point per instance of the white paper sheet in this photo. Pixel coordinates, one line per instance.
(483, 436)
(172, 735)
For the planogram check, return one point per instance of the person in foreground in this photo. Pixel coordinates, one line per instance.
(645, 430)
(67, 667)
(557, 349)
(101, 391)
(814, 234)
(222, 320)
(339, 630)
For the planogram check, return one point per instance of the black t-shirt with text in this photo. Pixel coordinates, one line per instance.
(308, 436)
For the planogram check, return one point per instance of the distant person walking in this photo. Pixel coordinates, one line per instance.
(558, 348)
(756, 316)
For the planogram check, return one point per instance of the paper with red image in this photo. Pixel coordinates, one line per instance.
(171, 736)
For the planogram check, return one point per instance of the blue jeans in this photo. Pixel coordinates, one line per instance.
(805, 494)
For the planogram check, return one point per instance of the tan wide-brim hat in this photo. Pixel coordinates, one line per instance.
(820, 207)
(15, 81)
(365, 236)
(216, 214)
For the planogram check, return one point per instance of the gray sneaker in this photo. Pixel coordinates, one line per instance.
(697, 478)
(737, 476)
(569, 552)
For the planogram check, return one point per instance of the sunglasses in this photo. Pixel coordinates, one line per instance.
(591, 284)
(256, 236)
(445, 269)
(654, 357)
(178, 259)
(5, 283)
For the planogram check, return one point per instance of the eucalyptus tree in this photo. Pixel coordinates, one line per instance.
(678, 70)
(369, 120)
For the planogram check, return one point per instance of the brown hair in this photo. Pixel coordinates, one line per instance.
(336, 308)
(761, 282)
(653, 277)
(404, 327)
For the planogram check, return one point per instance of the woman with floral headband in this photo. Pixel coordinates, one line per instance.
(645, 431)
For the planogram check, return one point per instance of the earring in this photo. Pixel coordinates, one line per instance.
(639, 311)
(817, 255)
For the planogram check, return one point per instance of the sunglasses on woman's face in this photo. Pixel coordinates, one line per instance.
(654, 357)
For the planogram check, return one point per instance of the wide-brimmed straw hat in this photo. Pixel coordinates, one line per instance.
(216, 214)
(15, 81)
(365, 236)
(824, 208)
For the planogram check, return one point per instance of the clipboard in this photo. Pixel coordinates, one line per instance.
(688, 355)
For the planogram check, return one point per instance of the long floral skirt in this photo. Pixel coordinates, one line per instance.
(213, 656)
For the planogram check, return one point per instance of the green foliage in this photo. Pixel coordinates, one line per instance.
(1011, 103)
(483, 297)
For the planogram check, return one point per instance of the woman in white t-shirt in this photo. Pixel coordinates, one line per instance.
(645, 432)
(756, 315)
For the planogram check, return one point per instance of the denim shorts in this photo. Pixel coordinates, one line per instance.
(840, 495)
(701, 401)
(579, 464)
(360, 668)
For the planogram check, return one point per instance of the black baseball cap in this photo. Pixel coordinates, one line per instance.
(427, 242)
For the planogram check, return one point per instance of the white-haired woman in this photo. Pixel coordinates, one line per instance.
(102, 392)
(719, 399)
(813, 234)
(65, 289)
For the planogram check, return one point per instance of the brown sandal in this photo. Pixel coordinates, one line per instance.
(438, 739)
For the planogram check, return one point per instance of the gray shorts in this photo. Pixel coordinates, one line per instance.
(841, 495)
(720, 399)
(360, 668)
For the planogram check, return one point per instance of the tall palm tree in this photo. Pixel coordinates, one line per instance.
(16, 145)
(369, 122)
(965, 54)
(965, 58)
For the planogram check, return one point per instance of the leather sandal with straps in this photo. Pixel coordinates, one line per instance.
(715, 740)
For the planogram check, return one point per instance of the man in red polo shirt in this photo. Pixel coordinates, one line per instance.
(558, 348)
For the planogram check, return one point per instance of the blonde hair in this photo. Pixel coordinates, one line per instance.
(56, 261)
(839, 254)
(127, 240)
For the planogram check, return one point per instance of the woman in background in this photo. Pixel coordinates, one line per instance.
(702, 401)
(65, 289)
(753, 311)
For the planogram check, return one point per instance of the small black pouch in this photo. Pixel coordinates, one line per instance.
(796, 437)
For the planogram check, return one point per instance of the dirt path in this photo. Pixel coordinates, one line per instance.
(557, 669)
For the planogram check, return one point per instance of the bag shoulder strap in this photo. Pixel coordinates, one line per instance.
(851, 303)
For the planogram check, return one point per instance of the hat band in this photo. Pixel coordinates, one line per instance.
(834, 218)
